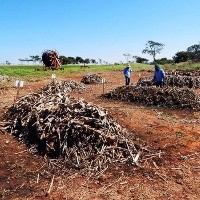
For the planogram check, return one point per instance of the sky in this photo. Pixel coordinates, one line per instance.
(96, 29)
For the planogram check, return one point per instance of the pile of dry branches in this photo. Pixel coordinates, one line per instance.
(187, 72)
(183, 81)
(174, 81)
(63, 87)
(92, 78)
(148, 81)
(83, 134)
(3, 89)
(184, 78)
(166, 97)
(4, 78)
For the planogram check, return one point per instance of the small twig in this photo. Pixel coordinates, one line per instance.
(51, 185)
(21, 152)
(190, 155)
(111, 184)
(133, 188)
(38, 176)
(156, 166)
(196, 167)
(134, 159)
(137, 157)
(176, 168)
(159, 154)
(161, 176)
(39, 168)
(77, 159)
(102, 171)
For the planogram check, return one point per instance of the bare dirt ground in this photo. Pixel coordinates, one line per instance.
(173, 133)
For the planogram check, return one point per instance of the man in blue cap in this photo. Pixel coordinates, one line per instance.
(159, 76)
(127, 73)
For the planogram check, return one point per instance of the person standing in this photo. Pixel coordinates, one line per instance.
(159, 76)
(127, 73)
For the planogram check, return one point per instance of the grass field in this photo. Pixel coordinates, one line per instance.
(29, 72)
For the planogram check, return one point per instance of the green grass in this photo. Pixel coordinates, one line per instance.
(185, 65)
(29, 72)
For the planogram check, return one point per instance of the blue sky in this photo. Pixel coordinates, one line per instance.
(96, 28)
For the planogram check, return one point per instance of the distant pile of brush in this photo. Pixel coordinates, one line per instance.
(92, 79)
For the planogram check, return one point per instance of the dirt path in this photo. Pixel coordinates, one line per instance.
(173, 133)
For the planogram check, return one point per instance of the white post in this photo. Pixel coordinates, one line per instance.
(53, 77)
(18, 84)
(103, 80)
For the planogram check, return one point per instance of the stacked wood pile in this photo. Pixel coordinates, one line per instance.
(174, 81)
(3, 89)
(181, 78)
(83, 134)
(184, 72)
(63, 87)
(183, 81)
(148, 81)
(172, 97)
(4, 78)
(91, 79)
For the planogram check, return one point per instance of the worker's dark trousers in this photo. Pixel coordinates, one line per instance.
(159, 84)
(127, 80)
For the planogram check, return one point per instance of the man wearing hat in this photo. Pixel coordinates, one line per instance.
(127, 73)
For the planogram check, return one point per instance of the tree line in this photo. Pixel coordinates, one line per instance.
(76, 60)
(152, 48)
(65, 60)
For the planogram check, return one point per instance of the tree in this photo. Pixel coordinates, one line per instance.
(127, 56)
(38, 58)
(25, 60)
(153, 48)
(195, 52)
(71, 60)
(65, 60)
(32, 58)
(28, 60)
(182, 56)
(7, 62)
(92, 61)
(35, 59)
(79, 60)
(21, 60)
(87, 61)
(140, 59)
(100, 61)
(163, 61)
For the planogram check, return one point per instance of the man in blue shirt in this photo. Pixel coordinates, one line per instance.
(127, 73)
(159, 76)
